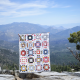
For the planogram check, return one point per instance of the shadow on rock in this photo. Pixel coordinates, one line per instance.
(28, 75)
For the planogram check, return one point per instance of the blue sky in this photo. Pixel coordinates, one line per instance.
(64, 13)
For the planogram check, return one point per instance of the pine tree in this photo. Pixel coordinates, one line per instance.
(75, 38)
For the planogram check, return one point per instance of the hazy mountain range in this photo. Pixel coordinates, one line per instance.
(10, 32)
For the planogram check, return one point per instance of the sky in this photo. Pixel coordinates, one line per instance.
(64, 13)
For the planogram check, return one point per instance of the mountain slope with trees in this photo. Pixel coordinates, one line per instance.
(8, 59)
(58, 41)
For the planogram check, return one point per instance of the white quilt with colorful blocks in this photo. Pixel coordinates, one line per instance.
(34, 53)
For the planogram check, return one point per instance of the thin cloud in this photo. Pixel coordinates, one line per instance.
(66, 6)
(7, 13)
(60, 6)
(31, 5)
(55, 6)
(12, 9)
(16, 9)
(22, 13)
(29, 13)
(7, 3)
(20, 6)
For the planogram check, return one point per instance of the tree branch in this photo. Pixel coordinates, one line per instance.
(76, 56)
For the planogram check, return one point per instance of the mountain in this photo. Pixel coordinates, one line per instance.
(21, 28)
(65, 33)
(53, 30)
(54, 27)
(60, 28)
(10, 32)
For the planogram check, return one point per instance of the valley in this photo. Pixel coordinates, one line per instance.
(58, 40)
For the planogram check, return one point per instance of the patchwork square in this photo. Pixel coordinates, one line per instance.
(38, 36)
(37, 44)
(45, 36)
(38, 59)
(30, 52)
(23, 52)
(30, 37)
(31, 68)
(46, 67)
(30, 45)
(45, 51)
(22, 37)
(46, 59)
(23, 45)
(23, 60)
(31, 60)
(37, 51)
(23, 68)
(38, 67)
(45, 43)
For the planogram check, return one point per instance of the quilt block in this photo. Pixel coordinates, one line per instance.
(34, 53)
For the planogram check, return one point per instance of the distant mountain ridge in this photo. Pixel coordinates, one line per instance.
(66, 33)
(10, 32)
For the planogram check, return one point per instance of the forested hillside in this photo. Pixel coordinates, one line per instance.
(59, 54)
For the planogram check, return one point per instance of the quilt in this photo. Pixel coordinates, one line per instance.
(34, 53)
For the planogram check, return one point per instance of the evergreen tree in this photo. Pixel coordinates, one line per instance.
(75, 38)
